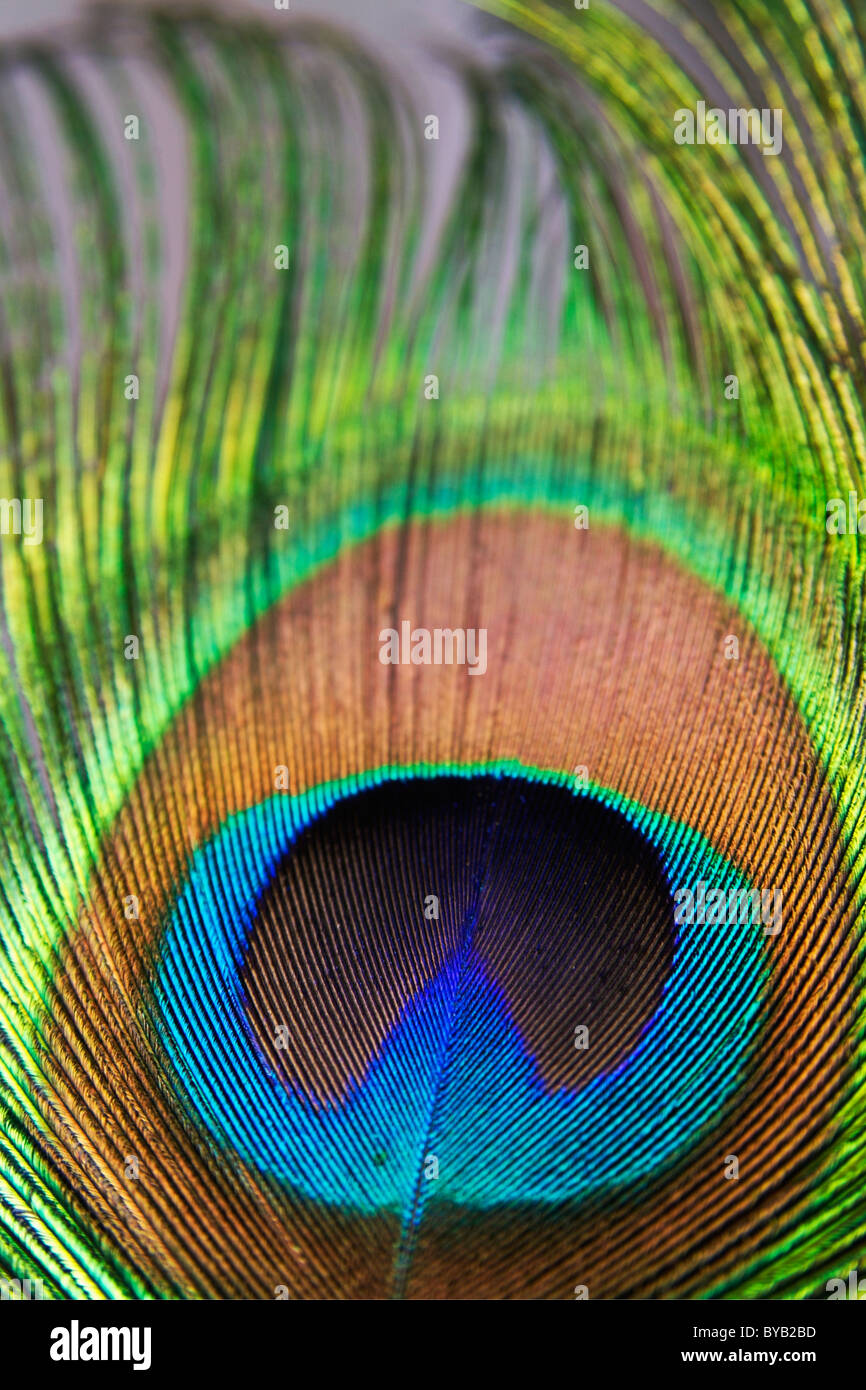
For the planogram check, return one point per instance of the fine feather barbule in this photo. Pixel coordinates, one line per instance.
(334, 931)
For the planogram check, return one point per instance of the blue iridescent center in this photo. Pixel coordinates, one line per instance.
(454, 1077)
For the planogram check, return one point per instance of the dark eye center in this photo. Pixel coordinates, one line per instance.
(557, 900)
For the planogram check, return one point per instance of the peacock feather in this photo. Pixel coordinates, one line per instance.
(432, 656)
